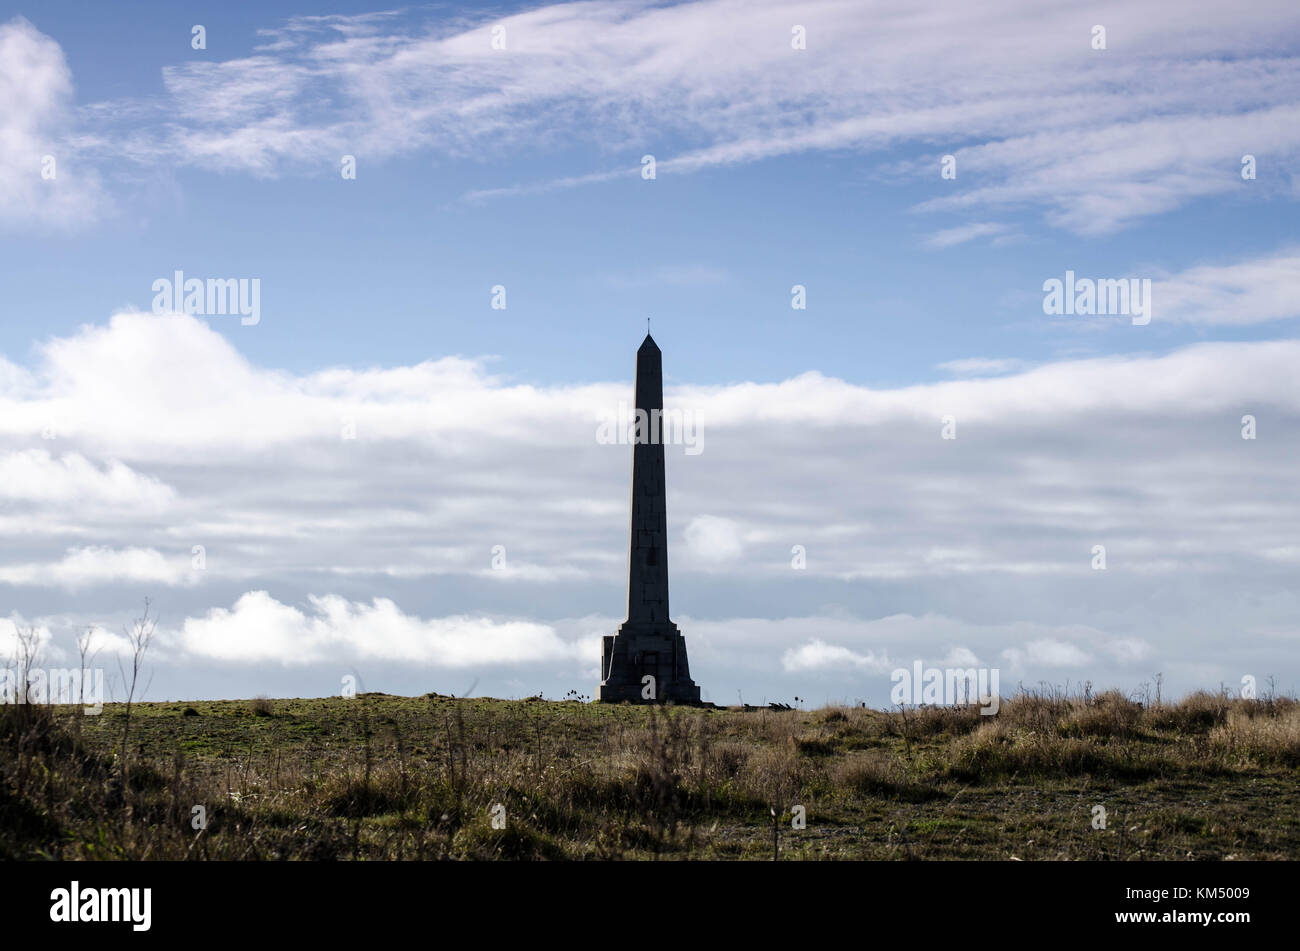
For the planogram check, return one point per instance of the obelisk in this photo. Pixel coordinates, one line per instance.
(645, 662)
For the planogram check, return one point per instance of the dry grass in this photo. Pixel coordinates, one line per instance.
(1252, 735)
(420, 778)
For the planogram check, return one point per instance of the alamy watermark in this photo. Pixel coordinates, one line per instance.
(77, 904)
(946, 686)
(215, 297)
(654, 427)
(1105, 297)
(55, 685)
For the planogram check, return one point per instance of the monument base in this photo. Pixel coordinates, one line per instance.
(639, 651)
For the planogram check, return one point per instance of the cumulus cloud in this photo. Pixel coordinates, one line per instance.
(19, 636)
(43, 180)
(102, 644)
(1049, 654)
(35, 475)
(381, 546)
(96, 565)
(712, 539)
(818, 655)
(258, 628)
(840, 645)
(459, 491)
(960, 657)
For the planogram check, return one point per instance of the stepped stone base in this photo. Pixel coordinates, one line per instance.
(638, 651)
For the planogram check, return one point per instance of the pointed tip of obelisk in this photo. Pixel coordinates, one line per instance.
(648, 344)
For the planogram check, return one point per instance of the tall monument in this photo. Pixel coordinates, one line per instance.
(645, 662)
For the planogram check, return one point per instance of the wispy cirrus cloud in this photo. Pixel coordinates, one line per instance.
(951, 237)
(982, 366)
(1245, 292)
(1092, 140)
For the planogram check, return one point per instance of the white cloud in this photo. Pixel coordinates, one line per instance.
(230, 464)
(1046, 653)
(260, 629)
(838, 645)
(713, 540)
(34, 475)
(104, 644)
(982, 366)
(95, 565)
(13, 630)
(819, 656)
(1094, 140)
(949, 237)
(991, 533)
(1128, 650)
(960, 657)
(1247, 292)
(35, 123)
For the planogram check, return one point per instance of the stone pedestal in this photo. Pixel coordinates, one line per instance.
(638, 651)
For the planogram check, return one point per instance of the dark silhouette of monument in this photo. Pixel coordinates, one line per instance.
(645, 662)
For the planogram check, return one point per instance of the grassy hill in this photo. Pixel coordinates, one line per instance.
(379, 776)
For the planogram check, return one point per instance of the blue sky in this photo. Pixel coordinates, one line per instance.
(775, 166)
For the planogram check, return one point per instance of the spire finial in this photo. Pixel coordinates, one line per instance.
(647, 326)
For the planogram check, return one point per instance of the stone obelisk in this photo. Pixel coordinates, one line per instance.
(645, 662)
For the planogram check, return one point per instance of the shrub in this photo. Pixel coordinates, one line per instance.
(1262, 739)
(1110, 714)
(877, 774)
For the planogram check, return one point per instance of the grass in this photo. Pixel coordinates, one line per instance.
(384, 777)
